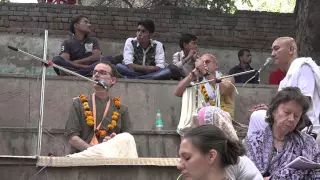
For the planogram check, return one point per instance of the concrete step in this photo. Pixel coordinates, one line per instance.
(23, 142)
(20, 100)
(25, 168)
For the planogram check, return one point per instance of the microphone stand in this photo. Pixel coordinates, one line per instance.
(50, 63)
(218, 80)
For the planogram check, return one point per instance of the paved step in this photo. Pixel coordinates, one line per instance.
(23, 168)
(23, 142)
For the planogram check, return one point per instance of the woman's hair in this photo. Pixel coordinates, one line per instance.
(285, 95)
(208, 137)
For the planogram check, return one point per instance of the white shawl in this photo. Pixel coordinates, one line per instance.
(292, 77)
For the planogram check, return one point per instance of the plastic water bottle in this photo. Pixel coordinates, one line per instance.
(159, 122)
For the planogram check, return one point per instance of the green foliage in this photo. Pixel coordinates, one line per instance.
(285, 6)
(4, 1)
(227, 6)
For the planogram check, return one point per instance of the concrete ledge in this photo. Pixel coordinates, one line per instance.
(25, 168)
(23, 142)
(20, 100)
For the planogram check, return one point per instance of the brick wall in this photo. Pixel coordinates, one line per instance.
(244, 29)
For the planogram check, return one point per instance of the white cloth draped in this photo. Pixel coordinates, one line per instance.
(120, 146)
(189, 108)
(291, 79)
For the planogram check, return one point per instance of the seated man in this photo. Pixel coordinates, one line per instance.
(184, 60)
(244, 56)
(144, 57)
(209, 94)
(80, 53)
(300, 72)
(98, 118)
(276, 76)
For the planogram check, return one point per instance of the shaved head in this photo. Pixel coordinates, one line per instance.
(210, 61)
(207, 55)
(286, 41)
(284, 51)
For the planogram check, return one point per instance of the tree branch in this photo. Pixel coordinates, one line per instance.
(128, 3)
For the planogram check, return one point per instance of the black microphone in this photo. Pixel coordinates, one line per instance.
(103, 84)
(13, 48)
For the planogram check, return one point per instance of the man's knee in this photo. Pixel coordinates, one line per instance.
(164, 74)
(58, 60)
(121, 67)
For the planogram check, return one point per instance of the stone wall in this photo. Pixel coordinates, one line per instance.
(244, 29)
(23, 25)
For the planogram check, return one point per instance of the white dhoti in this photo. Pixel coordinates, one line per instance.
(120, 146)
(257, 121)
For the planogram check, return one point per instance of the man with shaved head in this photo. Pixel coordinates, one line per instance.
(300, 72)
(209, 93)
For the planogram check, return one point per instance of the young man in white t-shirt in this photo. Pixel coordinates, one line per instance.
(284, 53)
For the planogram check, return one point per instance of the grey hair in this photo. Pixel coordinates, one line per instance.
(285, 95)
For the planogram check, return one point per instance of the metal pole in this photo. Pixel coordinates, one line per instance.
(53, 65)
(223, 77)
(43, 80)
(50, 63)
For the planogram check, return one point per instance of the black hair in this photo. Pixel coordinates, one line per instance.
(76, 20)
(186, 38)
(241, 52)
(148, 24)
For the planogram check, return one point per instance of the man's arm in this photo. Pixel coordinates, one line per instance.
(225, 86)
(159, 56)
(141, 68)
(81, 63)
(96, 54)
(73, 128)
(176, 60)
(78, 143)
(183, 84)
(128, 54)
(306, 81)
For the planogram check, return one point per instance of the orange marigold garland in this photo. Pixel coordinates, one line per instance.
(206, 97)
(102, 133)
(88, 112)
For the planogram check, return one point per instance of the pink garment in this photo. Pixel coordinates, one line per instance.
(216, 116)
(201, 116)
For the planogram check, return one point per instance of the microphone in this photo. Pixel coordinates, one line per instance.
(13, 48)
(268, 61)
(103, 84)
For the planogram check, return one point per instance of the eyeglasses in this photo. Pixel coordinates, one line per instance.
(101, 72)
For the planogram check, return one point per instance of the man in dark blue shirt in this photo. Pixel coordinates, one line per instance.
(80, 53)
(244, 56)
